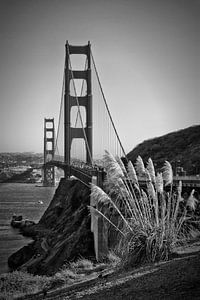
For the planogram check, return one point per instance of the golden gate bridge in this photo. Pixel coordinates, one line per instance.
(79, 144)
(85, 125)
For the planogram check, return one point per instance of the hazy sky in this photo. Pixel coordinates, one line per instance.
(147, 54)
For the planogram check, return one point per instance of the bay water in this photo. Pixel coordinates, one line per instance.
(27, 200)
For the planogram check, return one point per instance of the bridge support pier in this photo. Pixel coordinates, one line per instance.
(77, 100)
(49, 136)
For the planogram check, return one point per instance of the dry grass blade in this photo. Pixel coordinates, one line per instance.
(153, 196)
(179, 188)
(192, 201)
(121, 164)
(112, 167)
(159, 183)
(132, 173)
(91, 208)
(177, 203)
(139, 166)
(99, 195)
(150, 168)
(167, 173)
(151, 190)
(148, 176)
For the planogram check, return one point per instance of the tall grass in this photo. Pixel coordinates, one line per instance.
(151, 219)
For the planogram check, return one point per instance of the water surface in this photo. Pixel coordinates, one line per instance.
(23, 199)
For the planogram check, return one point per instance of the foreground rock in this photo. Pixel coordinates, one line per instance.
(62, 234)
(18, 222)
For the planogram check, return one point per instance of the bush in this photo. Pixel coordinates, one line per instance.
(151, 220)
(19, 283)
(64, 276)
(82, 264)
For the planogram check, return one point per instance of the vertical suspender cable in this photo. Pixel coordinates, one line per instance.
(105, 102)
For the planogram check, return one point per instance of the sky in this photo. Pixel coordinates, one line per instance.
(146, 51)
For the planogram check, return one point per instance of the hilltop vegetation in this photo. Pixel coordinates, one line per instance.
(180, 148)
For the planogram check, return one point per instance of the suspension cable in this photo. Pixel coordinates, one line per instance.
(60, 111)
(86, 141)
(105, 102)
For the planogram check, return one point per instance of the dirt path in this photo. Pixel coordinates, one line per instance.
(177, 279)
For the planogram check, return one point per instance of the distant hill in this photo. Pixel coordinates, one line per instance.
(181, 148)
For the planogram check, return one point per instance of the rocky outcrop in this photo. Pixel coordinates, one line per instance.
(21, 256)
(62, 234)
(18, 222)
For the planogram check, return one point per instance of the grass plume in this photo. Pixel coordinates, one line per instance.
(150, 218)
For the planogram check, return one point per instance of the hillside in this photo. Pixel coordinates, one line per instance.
(180, 148)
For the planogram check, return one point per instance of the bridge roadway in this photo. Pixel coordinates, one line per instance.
(85, 172)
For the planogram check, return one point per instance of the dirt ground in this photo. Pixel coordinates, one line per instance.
(176, 279)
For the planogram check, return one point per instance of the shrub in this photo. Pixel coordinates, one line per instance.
(82, 264)
(64, 276)
(151, 220)
(19, 283)
(114, 259)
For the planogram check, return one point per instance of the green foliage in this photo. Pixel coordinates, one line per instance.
(182, 145)
(151, 222)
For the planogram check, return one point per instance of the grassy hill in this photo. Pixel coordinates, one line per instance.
(180, 148)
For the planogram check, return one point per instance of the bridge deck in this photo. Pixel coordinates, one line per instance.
(85, 173)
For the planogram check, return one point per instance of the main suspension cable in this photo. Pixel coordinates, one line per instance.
(61, 106)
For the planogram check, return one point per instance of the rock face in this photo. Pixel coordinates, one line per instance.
(62, 234)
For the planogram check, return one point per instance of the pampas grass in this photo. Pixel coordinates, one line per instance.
(192, 201)
(167, 173)
(151, 170)
(139, 165)
(159, 183)
(132, 173)
(150, 218)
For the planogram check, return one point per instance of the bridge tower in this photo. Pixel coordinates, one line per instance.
(49, 144)
(71, 133)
